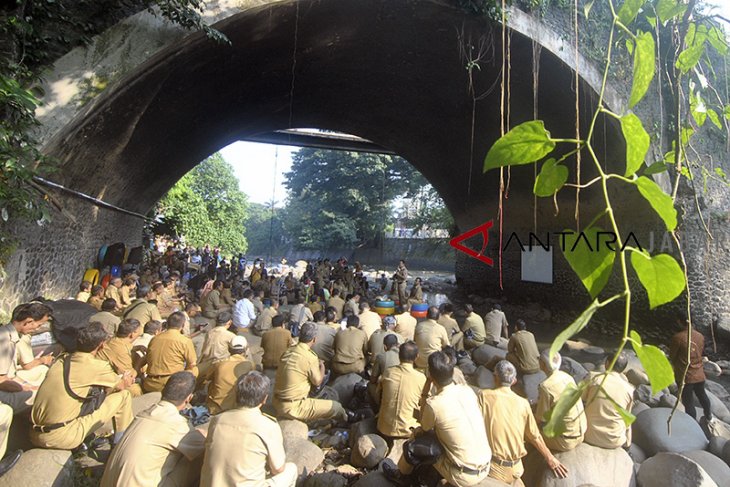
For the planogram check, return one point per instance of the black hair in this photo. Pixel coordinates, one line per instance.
(441, 368)
(127, 327)
(178, 387)
(36, 311)
(88, 339)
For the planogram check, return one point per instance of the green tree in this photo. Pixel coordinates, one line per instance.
(264, 233)
(339, 198)
(207, 206)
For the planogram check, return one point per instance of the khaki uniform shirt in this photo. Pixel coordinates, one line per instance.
(606, 428)
(165, 304)
(9, 339)
(110, 322)
(223, 376)
(53, 405)
(212, 302)
(549, 392)
(215, 346)
(142, 311)
(455, 416)
(124, 298)
(405, 325)
(494, 322)
(370, 322)
(509, 422)
(430, 337)
(475, 323)
(339, 304)
(351, 345)
(324, 347)
(83, 296)
(151, 448)
(118, 352)
(241, 444)
(96, 302)
(314, 307)
(375, 342)
(297, 372)
(167, 353)
(352, 306)
(113, 292)
(400, 391)
(227, 297)
(263, 321)
(275, 342)
(449, 324)
(258, 306)
(384, 361)
(300, 314)
(523, 352)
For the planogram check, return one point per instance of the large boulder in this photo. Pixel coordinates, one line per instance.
(715, 467)
(715, 428)
(590, 465)
(486, 354)
(293, 429)
(41, 468)
(712, 369)
(651, 434)
(675, 470)
(484, 378)
(374, 479)
(637, 377)
(718, 390)
(531, 382)
(726, 453)
(574, 368)
(369, 451)
(467, 366)
(327, 479)
(361, 428)
(717, 443)
(304, 454)
(643, 393)
(719, 409)
(638, 408)
(345, 387)
(636, 453)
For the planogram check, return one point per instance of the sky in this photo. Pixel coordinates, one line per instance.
(261, 172)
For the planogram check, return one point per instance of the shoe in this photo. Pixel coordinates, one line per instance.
(390, 470)
(9, 461)
(353, 416)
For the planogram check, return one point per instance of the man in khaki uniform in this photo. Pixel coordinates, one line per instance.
(352, 305)
(369, 320)
(338, 303)
(375, 342)
(169, 352)
(456, 337)
(496, 326)
(9, 461)
(383, 361)
(351, 349)
(400, 391)
(400, 279)
(141, 309)
(159, 448)
(474, 330)
(106, 316)
(275, 342)
(324, 346)
(127, 291)
(223, 376)
(453, 413)
(112, 290)
(215, 345)
(258, 458)
(298, 372)
(118, 351)
(606, 428)
(509, 423)
(97, 297)
(430, 337)
(56, 415)
(16, 388)
(405, 324)
(522, 350)
(549, 392)
(263, 320)
(211, 303)
(416, 295)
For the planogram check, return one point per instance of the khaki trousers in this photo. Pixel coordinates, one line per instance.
(6, 417)
(309, 409)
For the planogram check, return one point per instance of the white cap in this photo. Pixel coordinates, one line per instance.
(238, 342)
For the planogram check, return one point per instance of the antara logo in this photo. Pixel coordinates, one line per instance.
(569, 241)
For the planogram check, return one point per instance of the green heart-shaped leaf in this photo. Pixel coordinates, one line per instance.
(660, 275)
(637, 142)
(525, 143)
(644, 66)
(555, 418)
(659, 200)
(552, 177)
(655, 364)
(575, 327)
(628, 11)
(590, 258)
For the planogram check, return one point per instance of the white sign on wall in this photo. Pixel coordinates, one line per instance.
(537, 265)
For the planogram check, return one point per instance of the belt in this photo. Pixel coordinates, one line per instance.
(471, 471)
(47, 428)
(505, 463)
(152, 376)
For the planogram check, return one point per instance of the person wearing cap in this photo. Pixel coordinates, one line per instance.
(215, 345)
(496, 327)
(275, 342)
(141, 309)
(160, 447)
(375, 342)
(222, 376)
(299, 371)
(351, 349)
(244, 446)
(169, 352)
(263, 321)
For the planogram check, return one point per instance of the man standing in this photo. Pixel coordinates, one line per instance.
(606, 427)
(223, 376)
(454, 415)
(522, 350)
(169, 352)
(351, 349)
(694, 380)
(369, 320)
(400, 277)
(298, 372)
(405, 324)
(275, 342)
(509, 423)
(549, 392)
(56, 414)
(141, 309)
(159, 447)
(259, 458)
(430, 337)
(244, 312)
(495, 323)
(399, 392)
(118, 351)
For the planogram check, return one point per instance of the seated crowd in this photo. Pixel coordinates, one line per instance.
(162, 341)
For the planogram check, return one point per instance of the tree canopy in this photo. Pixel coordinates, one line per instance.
(207, 206)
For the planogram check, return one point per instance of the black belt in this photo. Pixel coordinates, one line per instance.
(505, 463)
(47, 428)
(471, 471)
(151, 376)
